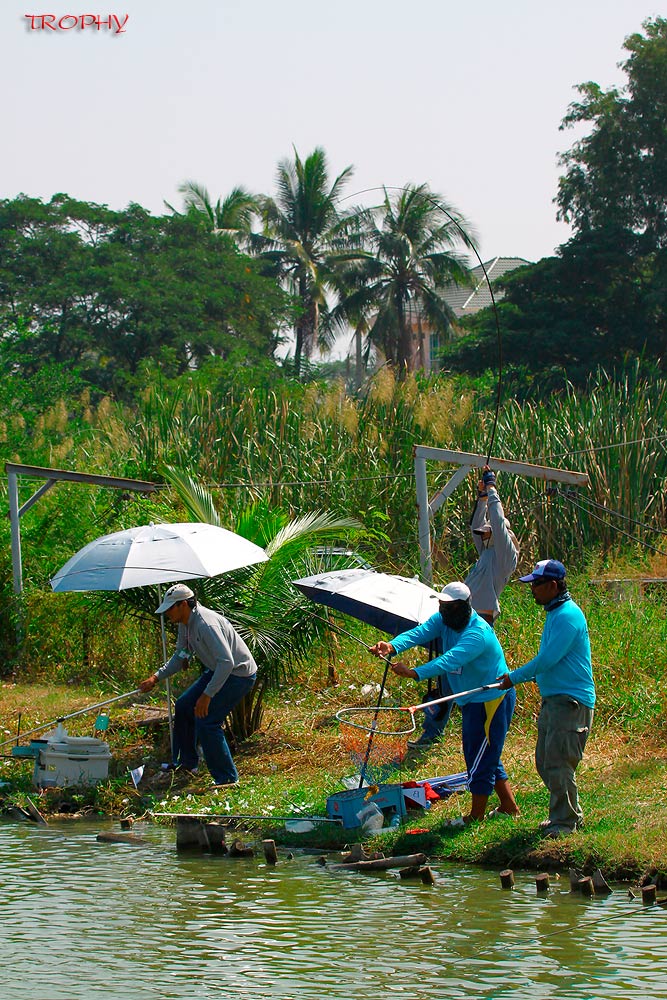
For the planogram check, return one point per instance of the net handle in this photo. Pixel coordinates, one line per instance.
(450, 697)
(373, 730)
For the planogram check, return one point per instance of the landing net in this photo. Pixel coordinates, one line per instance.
(375, 752)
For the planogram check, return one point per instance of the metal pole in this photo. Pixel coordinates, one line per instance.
(167, 686)
(12, 486)
(424, 520)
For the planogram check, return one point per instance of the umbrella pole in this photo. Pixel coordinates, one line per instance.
(163, 634)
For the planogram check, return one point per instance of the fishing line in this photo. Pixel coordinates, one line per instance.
(619, 531)
(617, 513)
(603, 447)
(470, 244)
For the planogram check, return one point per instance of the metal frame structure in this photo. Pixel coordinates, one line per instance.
(466, 462)
(52, 476)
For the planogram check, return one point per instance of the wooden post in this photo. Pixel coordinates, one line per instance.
(270, 853)
(507, 879)
(411, 872)
(126, 822)
(574, 880)
(33, 811)
(586, 886)
(542, 882)
(649, 893)
(239, 850)
(215, 834)
(190, 834)
(382, 864)
(120, 838)
(601, 886)
(426, 875)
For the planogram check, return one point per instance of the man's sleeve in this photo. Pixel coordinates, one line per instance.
(178, 657)
(469, 646)
(552, 649)
(478, 519)
(506, 553)
(424, 633)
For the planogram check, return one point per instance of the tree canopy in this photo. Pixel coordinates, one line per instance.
(602, 300)
(616, 175)
(105, 291)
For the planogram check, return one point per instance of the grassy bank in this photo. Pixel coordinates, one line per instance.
(291, 766)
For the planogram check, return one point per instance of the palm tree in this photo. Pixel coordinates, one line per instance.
(232, 215)
(411, 254)
(305, 242)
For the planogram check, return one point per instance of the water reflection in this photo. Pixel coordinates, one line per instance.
(87, 920)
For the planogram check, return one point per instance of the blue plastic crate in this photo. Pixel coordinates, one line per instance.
(345, 805)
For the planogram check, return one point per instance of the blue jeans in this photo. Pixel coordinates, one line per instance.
(189, 732)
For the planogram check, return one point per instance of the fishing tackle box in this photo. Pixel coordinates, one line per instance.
(71, 760)
(345, 805)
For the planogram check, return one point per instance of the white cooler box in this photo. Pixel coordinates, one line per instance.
(72, 760)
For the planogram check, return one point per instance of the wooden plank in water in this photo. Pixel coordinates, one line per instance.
(382, 864)
(121, 838)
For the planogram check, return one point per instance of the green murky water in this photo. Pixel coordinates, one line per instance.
(83, 920)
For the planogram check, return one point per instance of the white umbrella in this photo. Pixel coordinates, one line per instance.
(390, 603)
(155, 554)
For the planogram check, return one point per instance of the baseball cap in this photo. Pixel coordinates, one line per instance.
(179, 592)
(454, 592)
(546, 569)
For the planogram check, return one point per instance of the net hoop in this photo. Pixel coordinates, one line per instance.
(346, 716)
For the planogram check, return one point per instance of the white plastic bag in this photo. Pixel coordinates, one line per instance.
(371, 818)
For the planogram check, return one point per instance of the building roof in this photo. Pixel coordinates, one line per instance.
(466, 300)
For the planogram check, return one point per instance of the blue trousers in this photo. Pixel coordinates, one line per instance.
(190, 732)
(484, 727)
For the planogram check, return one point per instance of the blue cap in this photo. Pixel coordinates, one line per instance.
(546, 569)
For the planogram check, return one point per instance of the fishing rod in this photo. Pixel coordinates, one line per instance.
(339, 628)
(73, 715)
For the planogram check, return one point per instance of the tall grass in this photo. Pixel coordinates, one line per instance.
(304, 446)
(309, 447)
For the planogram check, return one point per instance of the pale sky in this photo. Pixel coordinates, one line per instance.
(465, 97)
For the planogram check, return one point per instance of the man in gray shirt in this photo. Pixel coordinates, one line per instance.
(229, 674)
(497, 550)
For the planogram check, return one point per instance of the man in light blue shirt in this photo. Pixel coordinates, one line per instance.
(472, 658)
(563, 673)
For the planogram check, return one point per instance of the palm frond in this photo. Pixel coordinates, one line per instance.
(194, 497)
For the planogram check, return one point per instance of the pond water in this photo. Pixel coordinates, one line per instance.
(84, 920)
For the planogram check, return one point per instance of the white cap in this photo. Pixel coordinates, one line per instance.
(454, 592)
(179, 592)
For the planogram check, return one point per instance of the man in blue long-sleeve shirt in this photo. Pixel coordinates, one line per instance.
(472, 658)
(563, 673)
